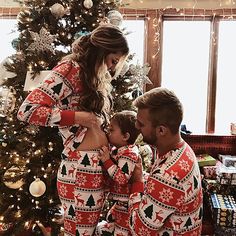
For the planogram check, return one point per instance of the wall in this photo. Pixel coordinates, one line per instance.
(206, 4)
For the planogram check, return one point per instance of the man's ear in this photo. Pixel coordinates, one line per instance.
(161, 130)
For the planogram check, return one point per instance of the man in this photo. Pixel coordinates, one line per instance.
(171, 203)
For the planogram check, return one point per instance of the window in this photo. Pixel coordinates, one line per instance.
(226, 77)
(8, 33)
(187, 69)
(135, 37)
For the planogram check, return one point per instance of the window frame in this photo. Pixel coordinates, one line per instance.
(214, 16)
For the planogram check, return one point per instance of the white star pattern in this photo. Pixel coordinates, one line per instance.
(81, 180)
(143, 231)
(63, 190)
(180, 201)
(96, 181)
(93, 218)
(78, 216)
(190, 156)
(42, 41)
(184, 165)
(166, 195)
(42, 112)
(63, 68)
(150, 186)
(174, 174)
(67, 226)
(120, 178)
(36, 96)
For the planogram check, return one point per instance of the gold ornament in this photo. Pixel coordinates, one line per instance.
(10, 174)
(37, 188)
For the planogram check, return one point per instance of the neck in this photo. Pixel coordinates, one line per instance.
(168, 143)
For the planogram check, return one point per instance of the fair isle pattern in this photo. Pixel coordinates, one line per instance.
(81, 190)
(120, 172)
(80, 180)
(172, 203)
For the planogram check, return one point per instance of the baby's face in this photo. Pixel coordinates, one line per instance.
(115, 136)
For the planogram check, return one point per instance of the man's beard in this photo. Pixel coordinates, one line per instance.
(151, 139)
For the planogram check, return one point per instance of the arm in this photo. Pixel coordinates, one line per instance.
(40, 107)
(122, 171)
(159, 191)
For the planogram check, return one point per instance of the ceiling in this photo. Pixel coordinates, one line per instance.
(144, 4)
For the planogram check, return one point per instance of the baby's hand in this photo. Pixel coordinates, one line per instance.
(104, 154)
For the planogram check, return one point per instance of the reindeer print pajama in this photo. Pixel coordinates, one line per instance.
(80, 180)
(172, 201)
(119, 168)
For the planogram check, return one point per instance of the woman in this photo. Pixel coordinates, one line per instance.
(76, 98)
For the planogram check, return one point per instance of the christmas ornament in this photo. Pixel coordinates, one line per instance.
(139, 75)
(7, 100)
(115, 17)
(4, 73)
(11, 174)
(42, 41)
(57, 10)
(88, 4)
(37, 188)
(5, 226)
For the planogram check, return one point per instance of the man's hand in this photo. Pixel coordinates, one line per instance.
(104, 154)
(137, 175)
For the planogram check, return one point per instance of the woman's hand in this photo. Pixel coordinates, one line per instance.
(104, 154)
(87, 119)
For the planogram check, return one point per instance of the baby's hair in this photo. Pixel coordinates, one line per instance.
(126, 121)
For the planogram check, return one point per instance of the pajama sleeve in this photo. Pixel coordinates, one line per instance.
(41, 106)
(147, 214)
(122, 171)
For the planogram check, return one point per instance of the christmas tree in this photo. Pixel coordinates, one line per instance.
(30, 155)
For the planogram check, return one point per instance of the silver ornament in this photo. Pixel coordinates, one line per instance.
(7, 101)
(57, 10)
(115, 17)
(88, 4)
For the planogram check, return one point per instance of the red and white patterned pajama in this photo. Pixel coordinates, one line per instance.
(80, 180)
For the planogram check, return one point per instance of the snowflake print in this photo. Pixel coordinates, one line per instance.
(36, 96)
(42, 112)
(120, 178)
(144, 231)
(96, 181)
(183, 208)
(64, 68)
(93, 218)
(63, 190)
(166, 195)
(79, 217)
(150, 186)
(190, 155)
(67, 226)
(81, 180)
(184, 165)
(174, 174)
(180, 201)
